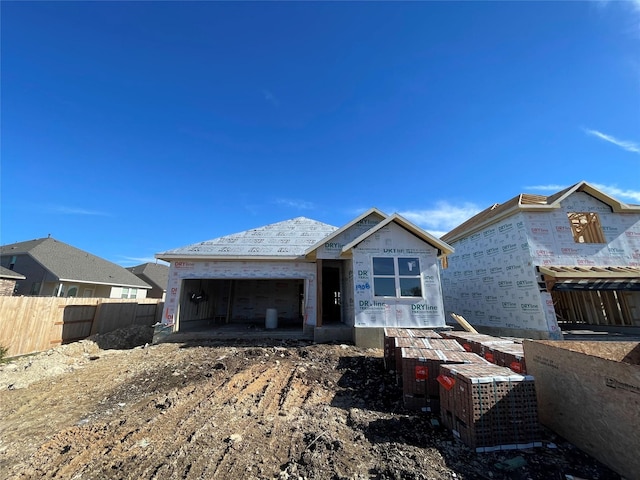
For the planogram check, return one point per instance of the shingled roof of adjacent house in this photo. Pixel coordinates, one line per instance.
(155, 273)
(69, 263)
(6, 273)
(532, 203)
(283, 240)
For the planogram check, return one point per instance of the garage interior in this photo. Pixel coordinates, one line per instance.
(214, 303)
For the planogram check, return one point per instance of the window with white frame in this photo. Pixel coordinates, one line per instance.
(396, 277)
(129, 292)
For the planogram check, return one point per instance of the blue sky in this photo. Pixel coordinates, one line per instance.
(131, 128)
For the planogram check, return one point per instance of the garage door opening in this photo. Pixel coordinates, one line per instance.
(216, 303)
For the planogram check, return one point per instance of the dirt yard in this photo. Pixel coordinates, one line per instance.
(113, 407)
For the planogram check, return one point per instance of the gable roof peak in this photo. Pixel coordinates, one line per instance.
(533, 202)
(442, 247)
(69, 263)
(372, 211)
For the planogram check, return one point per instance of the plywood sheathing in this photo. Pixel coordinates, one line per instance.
(589, 393)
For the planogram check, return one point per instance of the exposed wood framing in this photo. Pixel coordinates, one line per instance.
(586, 227)
(597, 307)
(319, 293)
(590, 272)
(229, 302)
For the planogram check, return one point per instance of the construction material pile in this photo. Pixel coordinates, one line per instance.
(476, 384)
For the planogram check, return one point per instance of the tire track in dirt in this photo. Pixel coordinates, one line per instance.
(198, 415)
(31, 415)
(251, 410)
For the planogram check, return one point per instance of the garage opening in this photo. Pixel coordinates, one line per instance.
(212, 303)
(597, 307)
(594, 296)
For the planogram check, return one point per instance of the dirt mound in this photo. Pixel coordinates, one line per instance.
(123, 338)
(21, 372)
(245, 409)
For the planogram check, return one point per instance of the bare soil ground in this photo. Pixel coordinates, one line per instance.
(100, 409)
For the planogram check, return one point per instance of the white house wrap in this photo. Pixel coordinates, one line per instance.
(376, 271)
(521, 267)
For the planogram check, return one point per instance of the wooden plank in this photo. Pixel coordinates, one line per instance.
(96, 315)
(319, 293)
(230, 302)
(463, 323)
(590, 272)
(70, 322)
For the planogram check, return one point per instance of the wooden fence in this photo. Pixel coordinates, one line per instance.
(35, 324)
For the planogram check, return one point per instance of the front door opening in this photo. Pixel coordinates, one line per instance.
(331, 296)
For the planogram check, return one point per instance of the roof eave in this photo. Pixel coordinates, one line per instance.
(13, 277)
(222, 258)
(490, 221)
(110, 284)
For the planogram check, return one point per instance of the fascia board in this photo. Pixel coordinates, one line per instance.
(91, 282)
(13, 277)
(233, 258)
(507, 213)
(616, 205)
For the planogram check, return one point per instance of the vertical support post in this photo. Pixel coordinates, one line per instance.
(229, 302)
(95, 321)
(319, 293)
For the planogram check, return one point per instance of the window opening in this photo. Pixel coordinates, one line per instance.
(396, 277)
(586, 227)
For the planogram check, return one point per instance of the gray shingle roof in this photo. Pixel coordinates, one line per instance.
(156, 273)
(6, 273)
(290, 238)
(72, 264)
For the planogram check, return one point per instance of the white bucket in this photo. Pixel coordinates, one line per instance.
(271, 320)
